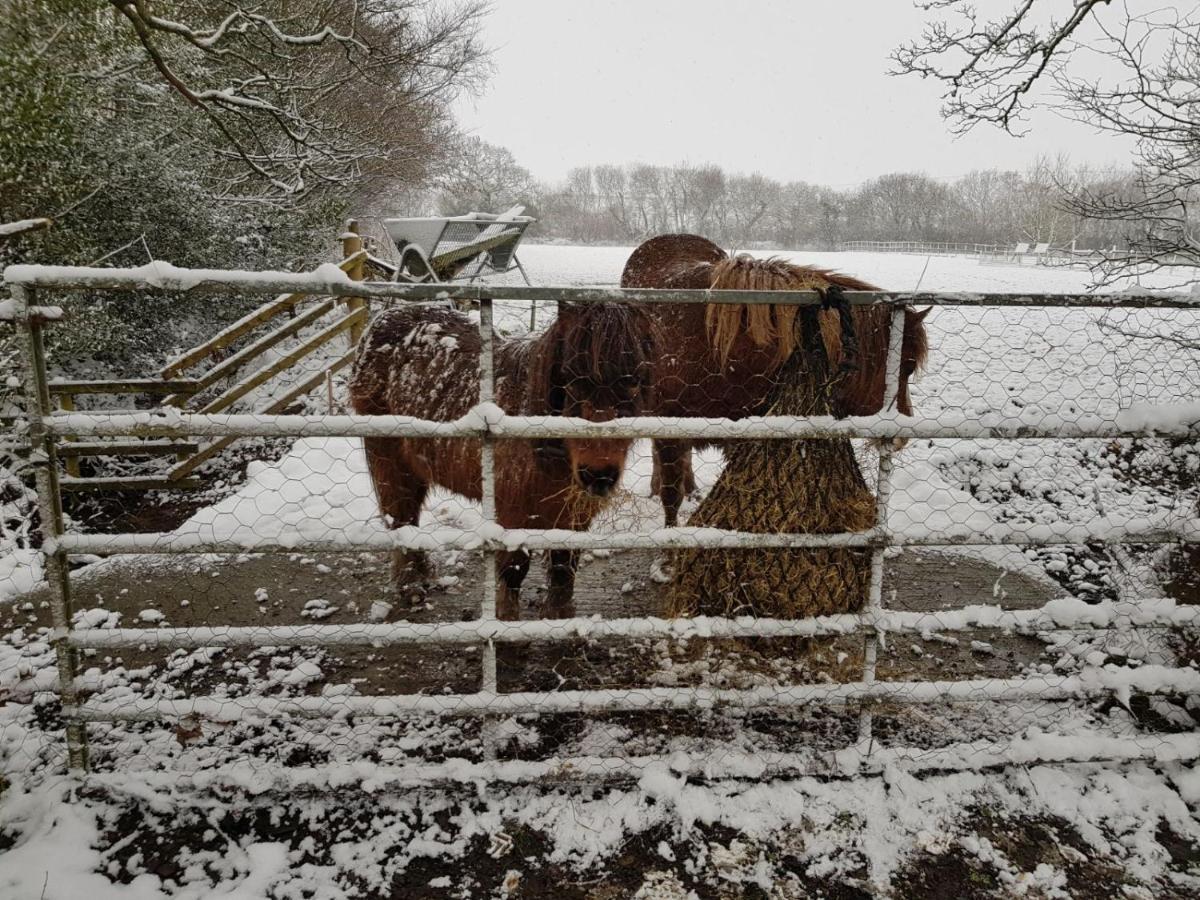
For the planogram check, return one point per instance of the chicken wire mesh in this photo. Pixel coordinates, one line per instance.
(261, 624)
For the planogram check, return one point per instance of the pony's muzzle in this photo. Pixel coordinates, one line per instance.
(599, 481)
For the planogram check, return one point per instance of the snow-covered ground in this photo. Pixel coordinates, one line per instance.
(1061, 362)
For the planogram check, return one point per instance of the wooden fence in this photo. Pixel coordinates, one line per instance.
(187, 384)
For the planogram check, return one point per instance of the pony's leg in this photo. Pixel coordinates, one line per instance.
(400, 494)
(673, 463)
(560, 596)
(511, 568)
(689, 474)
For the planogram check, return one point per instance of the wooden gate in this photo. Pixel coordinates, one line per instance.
(187, 384)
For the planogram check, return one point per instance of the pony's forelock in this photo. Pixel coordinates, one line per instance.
(767, 324)
(594, 342)
(773, 325)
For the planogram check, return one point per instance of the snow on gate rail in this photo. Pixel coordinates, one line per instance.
(489, 424)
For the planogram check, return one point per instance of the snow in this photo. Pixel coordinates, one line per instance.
(321, 490)
(9, 229)
(1013, 369)
(1116, 813)
(8, 311)
(20, 571)
(164, 275)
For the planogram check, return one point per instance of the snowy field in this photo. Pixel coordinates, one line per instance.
(215, 818)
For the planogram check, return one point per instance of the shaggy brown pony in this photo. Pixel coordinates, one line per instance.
(720, 360)
(592, 362)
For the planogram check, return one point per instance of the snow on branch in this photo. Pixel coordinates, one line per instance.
(304, 95)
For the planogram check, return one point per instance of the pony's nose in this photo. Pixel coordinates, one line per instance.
(598, 481)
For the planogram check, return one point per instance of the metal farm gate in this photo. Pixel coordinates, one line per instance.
(44, 427)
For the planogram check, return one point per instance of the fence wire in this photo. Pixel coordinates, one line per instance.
(1024, 587)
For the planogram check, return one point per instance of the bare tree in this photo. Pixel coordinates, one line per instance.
(480, 176)
(1044, 210)
(747, 202)
(992, 69)
(297, 95)
(996, 70)
(612, 189)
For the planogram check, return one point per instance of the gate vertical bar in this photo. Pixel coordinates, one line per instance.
(487, 600)
(883, 494)
(36, 389)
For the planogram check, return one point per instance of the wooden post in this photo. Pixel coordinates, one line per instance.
(352, 243)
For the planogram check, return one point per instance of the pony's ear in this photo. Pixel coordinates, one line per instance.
(922, 313)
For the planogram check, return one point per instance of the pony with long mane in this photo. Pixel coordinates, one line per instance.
(720, 360)
(594, 361)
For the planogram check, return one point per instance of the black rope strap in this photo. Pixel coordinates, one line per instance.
(834, 298)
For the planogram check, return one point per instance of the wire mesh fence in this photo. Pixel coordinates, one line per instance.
(461, 567)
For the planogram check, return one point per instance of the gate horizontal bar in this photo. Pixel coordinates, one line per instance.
(1058, 615)
(330, 280)
(127, 483)
(1180, 420)
(1083, 747)
(1090, 682)
(492, 536)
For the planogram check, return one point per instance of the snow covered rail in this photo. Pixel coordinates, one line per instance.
(1059, 615)
(498, 538)
(1090, 683)
(1180, 420)
(330, 280)
(44, 429)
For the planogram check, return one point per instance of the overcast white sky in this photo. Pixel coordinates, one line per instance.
(795, 90)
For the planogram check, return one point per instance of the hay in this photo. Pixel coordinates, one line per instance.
(775, 486)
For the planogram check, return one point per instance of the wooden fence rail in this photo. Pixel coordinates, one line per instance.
(177, 389)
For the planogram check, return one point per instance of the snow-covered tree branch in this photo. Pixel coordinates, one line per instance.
(302, 95)
(1119, 67)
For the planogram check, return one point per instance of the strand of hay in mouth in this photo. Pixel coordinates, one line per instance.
(775, 486)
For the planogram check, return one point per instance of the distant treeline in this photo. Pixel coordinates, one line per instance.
(626, 203)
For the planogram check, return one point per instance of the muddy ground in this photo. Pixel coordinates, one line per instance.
(658, 864)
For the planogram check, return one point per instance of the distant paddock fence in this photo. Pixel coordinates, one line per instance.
(925, 248)
(1029, 253)
(45, 429)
